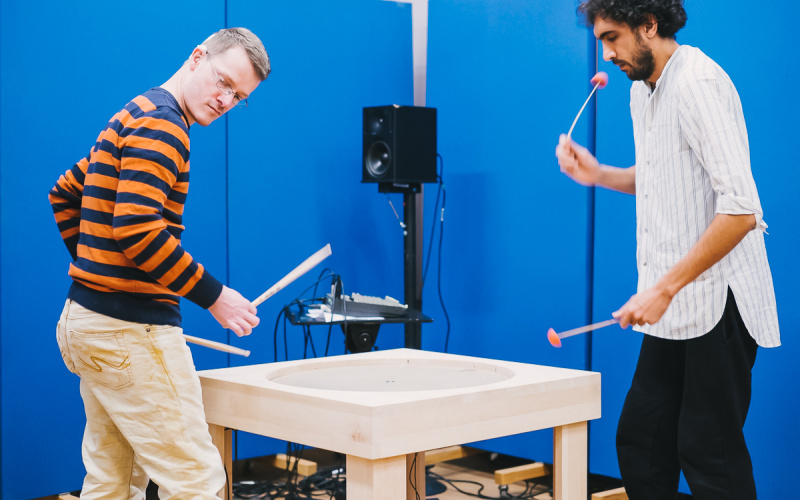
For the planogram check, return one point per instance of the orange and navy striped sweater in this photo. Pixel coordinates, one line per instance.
(120, 210)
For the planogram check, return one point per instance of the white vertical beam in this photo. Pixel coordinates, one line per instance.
(419, 43)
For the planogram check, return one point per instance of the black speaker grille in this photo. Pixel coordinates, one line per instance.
(379, 158)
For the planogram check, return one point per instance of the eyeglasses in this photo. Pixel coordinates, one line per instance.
(226, 89)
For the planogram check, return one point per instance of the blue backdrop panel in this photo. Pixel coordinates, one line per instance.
(614, 351)
(295, 164)
(756, 64)
(66, 69)
(507, 78)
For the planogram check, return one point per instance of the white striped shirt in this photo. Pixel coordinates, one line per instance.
(693, 162)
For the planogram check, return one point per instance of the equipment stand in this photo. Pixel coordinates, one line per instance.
(412, 253)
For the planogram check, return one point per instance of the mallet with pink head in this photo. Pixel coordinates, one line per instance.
(555, 338)
(600, 80)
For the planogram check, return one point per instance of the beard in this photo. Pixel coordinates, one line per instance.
(643, 64)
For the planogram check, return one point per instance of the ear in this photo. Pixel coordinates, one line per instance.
(196, 55)
(650, 26)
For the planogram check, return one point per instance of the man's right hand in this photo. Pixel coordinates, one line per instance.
(577, 162)
(234, 312)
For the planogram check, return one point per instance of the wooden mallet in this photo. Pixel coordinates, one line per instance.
(308, 264)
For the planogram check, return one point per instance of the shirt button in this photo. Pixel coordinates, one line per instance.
(645, 197)
(645, 230)
(645, 264)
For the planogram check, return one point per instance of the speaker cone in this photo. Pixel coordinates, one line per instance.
(379, 157)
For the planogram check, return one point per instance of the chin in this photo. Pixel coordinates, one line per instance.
(205, 121)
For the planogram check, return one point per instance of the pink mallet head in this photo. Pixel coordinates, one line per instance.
(600, 79)
(552, 336)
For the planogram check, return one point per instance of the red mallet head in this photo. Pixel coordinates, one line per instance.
(600, 79)
(552, 336)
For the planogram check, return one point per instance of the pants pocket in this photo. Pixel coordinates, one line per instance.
(61, 339)
(102, 358)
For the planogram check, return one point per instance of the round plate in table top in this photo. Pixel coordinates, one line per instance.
(391, 375)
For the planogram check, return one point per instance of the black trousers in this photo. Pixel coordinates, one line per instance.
(685, 411)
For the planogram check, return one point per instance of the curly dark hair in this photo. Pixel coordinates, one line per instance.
(669, 14)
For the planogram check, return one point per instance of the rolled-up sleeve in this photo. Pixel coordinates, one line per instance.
(712, 120)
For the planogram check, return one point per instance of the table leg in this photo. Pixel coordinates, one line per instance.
(415, 472)
(381, 479)
(570, 443)
(223, 440)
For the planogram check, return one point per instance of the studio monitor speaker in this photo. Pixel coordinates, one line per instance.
(399, 144)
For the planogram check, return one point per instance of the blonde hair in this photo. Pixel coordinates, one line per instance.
(227, 38)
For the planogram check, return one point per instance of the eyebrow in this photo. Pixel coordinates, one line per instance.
(605, 34)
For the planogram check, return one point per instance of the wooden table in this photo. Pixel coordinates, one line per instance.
(384, 409)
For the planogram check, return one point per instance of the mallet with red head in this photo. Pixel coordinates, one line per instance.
(555, 338)
(600, 80)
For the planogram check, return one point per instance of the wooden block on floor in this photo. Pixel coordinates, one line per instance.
(616, 494)
(67, 496)
(304, 467)
(521, 473)
(449, 453)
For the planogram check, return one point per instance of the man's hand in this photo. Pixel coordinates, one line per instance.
(234, 312)
(644, 308)
(577, 162)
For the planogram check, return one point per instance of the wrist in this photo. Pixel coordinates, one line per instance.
(667, 287)
(599, 178)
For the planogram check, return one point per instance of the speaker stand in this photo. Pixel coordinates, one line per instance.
(412, 253)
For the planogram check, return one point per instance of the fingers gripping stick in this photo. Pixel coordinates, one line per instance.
(600, 80)
(555, 338)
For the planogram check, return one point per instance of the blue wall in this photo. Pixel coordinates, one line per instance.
(273, 183)
(66, 68)
(270, 184)
(515, 248)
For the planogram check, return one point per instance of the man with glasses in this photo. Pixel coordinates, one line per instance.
(119, 211)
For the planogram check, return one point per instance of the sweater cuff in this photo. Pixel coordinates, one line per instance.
(206, 291)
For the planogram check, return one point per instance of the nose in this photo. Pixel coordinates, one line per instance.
(608, 52)
(226, 100)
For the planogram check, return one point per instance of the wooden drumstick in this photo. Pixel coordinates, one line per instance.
(298, 271)
(216, 345)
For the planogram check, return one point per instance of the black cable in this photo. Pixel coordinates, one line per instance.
(440, 177)
(443, 192)
(285, 342)
(285, 311)
(439, 275)
(412, 476)
(328, 342)
(319, 278)
(228, 486)
(530, 488)
(275, 334)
